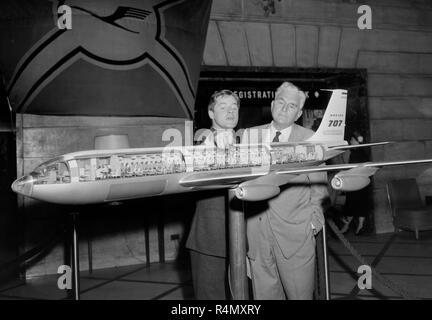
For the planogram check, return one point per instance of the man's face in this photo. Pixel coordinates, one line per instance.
(286, 109)
(225, 113)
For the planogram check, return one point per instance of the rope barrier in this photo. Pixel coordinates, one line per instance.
(387, 282)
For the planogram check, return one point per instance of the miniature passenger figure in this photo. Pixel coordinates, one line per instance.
(280, 231)
(207, 239)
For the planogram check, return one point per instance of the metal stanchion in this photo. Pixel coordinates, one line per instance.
(75, 257)
(237, 249)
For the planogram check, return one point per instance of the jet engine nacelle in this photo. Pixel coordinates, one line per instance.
(349, 182)
(256, 192)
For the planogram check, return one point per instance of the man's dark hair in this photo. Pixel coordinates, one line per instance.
(221, 93)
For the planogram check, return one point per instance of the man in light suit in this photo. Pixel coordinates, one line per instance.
(207, 238)
(280, 232)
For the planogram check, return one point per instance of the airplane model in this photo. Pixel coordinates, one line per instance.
(254, 170)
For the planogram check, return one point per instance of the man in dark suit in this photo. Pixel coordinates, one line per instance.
(207, 238)
(280, 233)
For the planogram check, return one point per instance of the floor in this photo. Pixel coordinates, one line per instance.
(401, 259)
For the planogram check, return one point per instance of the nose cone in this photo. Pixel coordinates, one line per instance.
(23, 185)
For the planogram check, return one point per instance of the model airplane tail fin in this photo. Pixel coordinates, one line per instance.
(332, 127)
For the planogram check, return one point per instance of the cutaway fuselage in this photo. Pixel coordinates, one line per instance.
(99, 176)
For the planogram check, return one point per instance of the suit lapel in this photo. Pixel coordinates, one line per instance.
(294, 134)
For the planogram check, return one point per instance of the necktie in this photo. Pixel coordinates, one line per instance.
(276, 138)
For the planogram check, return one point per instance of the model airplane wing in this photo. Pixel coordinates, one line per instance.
(351, 176)
(353, 146)
(355, 168)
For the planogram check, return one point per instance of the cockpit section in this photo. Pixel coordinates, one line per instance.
(52, 173)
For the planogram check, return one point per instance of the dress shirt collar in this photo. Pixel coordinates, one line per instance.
(284, 136)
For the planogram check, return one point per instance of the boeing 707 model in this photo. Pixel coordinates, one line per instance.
(254, 170)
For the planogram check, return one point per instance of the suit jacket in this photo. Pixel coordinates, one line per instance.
(291, 213)
(208, 230)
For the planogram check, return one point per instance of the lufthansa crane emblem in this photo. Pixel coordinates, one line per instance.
(116, 35)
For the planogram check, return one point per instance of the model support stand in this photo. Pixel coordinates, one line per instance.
(326, 271)
(237, 250)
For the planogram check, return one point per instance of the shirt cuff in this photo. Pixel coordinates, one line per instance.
(313, 229)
